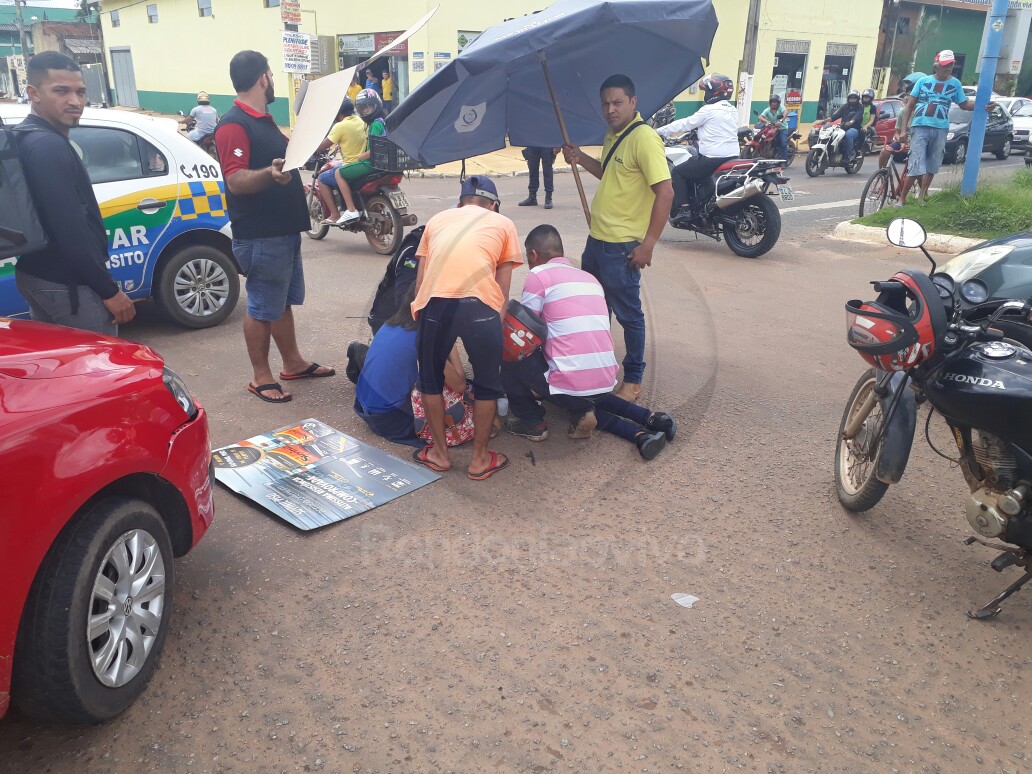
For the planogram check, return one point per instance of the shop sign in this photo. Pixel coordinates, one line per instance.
(297, 52)
(466, 37)
(290, 11)
(418, 66)
(793, 100)
(417, 54)
(383, 39)
(356, 44)
(442, 55)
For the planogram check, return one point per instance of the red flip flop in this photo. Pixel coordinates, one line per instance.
(419, 455)
(493, 468)
(308, 373)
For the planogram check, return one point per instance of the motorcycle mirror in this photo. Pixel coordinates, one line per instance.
(181, 113)
(300, 98)
(904, 232)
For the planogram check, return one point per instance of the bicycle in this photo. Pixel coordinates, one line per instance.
(885, 185)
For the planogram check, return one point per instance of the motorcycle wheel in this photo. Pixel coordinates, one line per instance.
(815, 160)
(385, 232)
(875, 193)
(855, 463)
(854, 165)
(753, 229)
(315, 215)
(793, 149)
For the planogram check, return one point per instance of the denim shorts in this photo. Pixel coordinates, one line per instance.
(927, 146)
(275, 278)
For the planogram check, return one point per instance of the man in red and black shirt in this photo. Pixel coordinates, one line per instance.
(268, 212)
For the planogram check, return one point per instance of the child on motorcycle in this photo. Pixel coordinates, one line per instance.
(777, 115)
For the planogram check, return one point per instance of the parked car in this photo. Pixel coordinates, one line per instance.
(1012, 104)
(164, 206)
(884, 127)
(1022, 126)
(999, 134)
(105, 479)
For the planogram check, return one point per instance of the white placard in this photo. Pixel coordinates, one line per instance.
(297, 52)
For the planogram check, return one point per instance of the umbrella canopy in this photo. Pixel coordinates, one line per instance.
(496, 86)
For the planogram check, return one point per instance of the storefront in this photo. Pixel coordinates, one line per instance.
(836, 77)
(357, 48)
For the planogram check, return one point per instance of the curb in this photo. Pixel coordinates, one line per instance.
(937, 243)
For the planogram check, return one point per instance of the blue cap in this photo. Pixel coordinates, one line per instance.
(478, 185)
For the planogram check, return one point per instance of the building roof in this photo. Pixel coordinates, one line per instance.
(82, 45)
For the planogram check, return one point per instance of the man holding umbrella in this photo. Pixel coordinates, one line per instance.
(628, 214)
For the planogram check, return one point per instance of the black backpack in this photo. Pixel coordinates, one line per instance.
(397, 280)
(20, 228)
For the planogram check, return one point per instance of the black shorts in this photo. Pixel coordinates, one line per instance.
(441, 322)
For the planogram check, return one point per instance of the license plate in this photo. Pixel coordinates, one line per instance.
(786, 192)
(398, 200)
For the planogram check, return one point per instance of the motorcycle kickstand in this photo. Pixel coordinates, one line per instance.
(992, 607)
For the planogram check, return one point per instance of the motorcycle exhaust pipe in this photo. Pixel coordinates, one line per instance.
(747, 191)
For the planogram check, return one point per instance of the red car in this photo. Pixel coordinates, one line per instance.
(105, 477)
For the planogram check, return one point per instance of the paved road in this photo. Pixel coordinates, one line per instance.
(526, 623)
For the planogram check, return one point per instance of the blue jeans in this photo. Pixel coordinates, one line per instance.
(607, 262)
(848, 143)
(781, 144)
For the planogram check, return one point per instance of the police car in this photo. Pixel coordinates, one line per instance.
(164, 207)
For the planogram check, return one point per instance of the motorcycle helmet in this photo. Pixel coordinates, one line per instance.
(717, 87)
(902, 327)
(854, 94)
(203, 98)
(907, 84)
(867, 94)
(774, 98)
(369, 105)
(523, 332)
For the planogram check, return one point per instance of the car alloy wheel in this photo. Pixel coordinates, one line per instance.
(126, 606)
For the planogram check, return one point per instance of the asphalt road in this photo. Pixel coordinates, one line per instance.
(526, 623)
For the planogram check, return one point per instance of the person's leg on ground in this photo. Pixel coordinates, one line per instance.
(434, 341)
(649, 442)
(621, 283)
(936, 139)
(533, 181)
(480, 328)
(522, 388)
(547, 161)
(917, 164)
(268, 281)
(652, 421)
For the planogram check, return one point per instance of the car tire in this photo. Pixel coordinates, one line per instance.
(198, 287)
(1005, 150)
(116, 550)
(959, 155)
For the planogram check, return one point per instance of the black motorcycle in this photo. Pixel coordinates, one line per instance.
(972, 363)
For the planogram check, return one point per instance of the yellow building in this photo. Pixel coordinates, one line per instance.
(162, 53)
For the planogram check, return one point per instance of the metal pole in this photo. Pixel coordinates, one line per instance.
(566, 136)
(993, 41)
(19, 22)
(895, 29)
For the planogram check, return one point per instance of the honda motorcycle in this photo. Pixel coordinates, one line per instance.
(759, 143)
(741, 210)
(379, 199)
(931, 339)
(825, 153)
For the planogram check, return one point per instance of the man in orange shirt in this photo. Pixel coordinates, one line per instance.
(466, 257)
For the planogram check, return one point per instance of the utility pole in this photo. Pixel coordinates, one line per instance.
(986, 79)
(752, 30)
(19, 22)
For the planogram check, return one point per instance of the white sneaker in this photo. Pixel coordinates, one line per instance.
(348, 216)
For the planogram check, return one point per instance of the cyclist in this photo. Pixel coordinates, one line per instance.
(905, 87)
(777, 115)
(717, 125)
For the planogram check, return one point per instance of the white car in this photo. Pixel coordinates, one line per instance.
(1022, 126)
(1012, 104)
(164, 207)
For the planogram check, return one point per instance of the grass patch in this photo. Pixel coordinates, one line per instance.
(996, 209)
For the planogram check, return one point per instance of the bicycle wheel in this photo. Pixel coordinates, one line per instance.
(875, 193)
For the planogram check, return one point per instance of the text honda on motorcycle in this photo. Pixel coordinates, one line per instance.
(932, 339)
(740, 209)
(826, 151)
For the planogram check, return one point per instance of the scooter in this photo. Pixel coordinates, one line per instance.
(379, 199)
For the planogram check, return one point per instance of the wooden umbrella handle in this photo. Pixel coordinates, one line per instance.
(566, 136)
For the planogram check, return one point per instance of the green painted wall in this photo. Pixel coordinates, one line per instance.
(808, 113)
(959, 30)
(173, 102)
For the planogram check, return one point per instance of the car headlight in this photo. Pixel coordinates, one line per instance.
(950, 135)
(177, 387)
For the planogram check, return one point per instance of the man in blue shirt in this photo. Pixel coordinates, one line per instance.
(929, 106)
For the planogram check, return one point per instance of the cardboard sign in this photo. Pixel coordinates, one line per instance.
(290, 11)
(297, 52)
(311, 475)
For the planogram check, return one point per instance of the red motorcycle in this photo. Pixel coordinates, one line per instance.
(759, 143)
(378, 197)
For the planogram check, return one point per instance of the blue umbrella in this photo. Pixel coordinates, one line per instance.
(536, 78)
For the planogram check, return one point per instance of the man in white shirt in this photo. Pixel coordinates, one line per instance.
(717, 125)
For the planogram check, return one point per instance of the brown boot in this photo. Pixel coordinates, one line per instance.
(583, 427)
(628, 391)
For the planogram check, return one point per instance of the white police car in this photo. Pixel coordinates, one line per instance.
(164, 208)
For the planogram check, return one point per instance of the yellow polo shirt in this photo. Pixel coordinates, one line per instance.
(387, 84)
(350, 135)
(353, 91)
(622, 207)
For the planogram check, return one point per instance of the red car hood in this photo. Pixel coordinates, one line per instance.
(30, 350)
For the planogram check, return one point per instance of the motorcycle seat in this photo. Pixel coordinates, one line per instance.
(358, 182)
(732, 163)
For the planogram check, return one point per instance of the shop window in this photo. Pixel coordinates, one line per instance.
(116, 19)
(152, 13)
(110, 155)
(204, 8)
(789, 71)
(837, 76)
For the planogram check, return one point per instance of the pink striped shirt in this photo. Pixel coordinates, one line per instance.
(579, 346)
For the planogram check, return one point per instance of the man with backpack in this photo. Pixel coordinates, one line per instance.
(67, 282)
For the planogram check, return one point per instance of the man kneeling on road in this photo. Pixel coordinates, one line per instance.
(467, 255)
(577, 369)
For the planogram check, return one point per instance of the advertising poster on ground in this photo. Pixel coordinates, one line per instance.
(311, 475)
